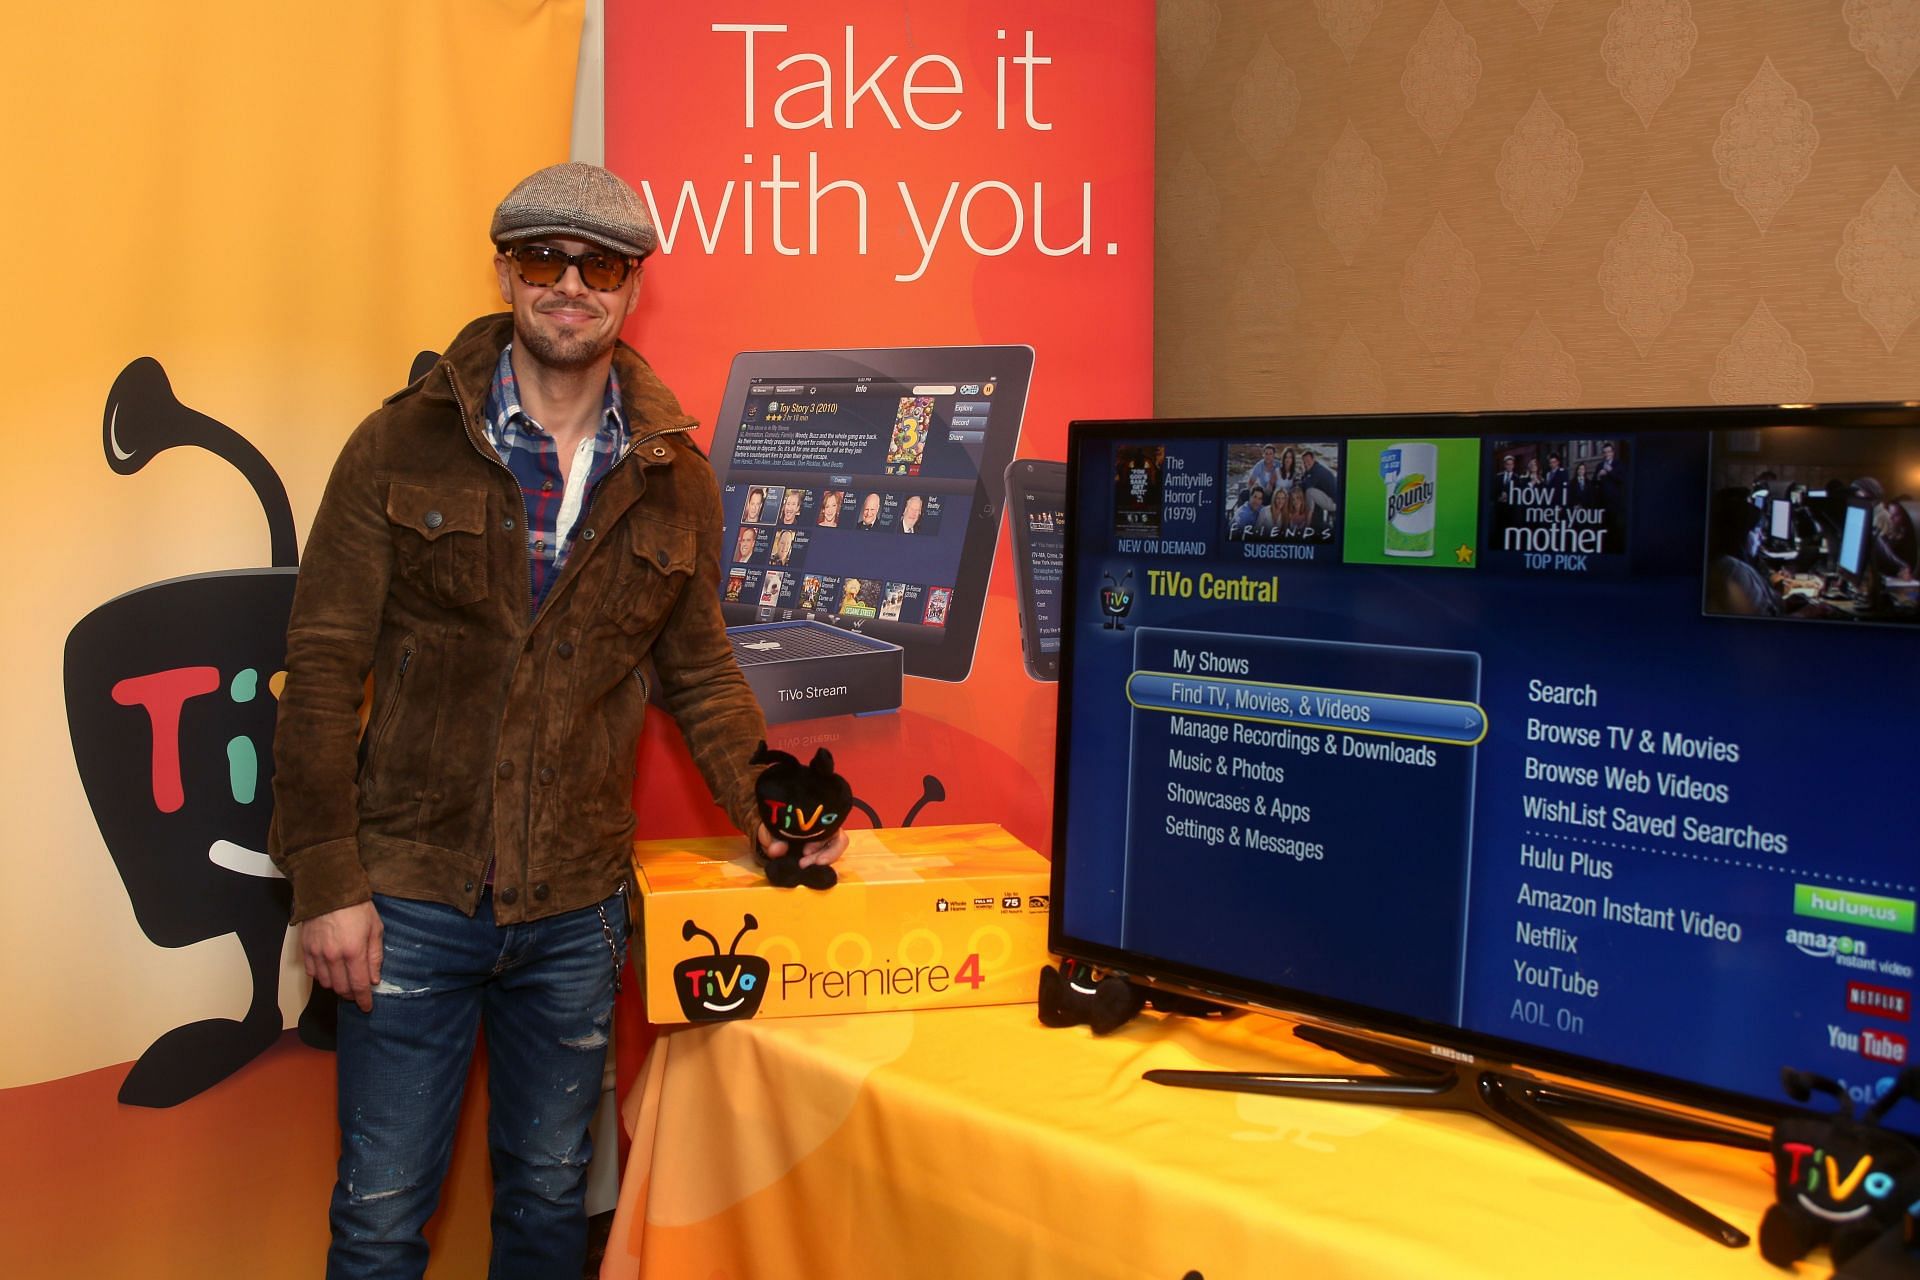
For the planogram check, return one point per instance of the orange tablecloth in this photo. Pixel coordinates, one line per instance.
(974, 1142)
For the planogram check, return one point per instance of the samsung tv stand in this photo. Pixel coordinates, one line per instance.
(1531, 1109)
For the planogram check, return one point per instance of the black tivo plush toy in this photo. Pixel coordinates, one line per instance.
(1074, 994)
(801, 804)
(1845, 1182)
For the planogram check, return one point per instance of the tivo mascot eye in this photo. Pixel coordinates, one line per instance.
(1844, 1182)
(802, 804)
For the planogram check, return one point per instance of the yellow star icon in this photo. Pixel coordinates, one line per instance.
(1463, 554)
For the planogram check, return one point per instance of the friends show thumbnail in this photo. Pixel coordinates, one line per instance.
(1283, 491)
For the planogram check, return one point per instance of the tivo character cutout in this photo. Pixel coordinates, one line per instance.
(720, 987)
(171, 697)
(932, 791)
(1844, 1182)
(802, 805)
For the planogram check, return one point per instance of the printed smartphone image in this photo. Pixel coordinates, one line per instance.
(1036, 512)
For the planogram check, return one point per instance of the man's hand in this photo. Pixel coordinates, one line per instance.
(818, 855)
(342, 950)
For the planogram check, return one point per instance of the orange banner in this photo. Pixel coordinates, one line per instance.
(255, 217)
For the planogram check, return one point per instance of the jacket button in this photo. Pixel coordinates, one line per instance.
(540, 891)
(587, 534)
(434, 796)
(469, 888)
(658, 452)
(435, 520)
(564, 648)
(509, 895)
(508, 524)
(546, 774)
(506, 769)
(419, 794)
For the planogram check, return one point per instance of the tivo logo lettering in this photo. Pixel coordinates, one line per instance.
(1814, 1170)
(1884, 1002)
(791, 819)
(719, 988)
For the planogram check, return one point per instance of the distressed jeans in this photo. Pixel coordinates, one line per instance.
(543, 990)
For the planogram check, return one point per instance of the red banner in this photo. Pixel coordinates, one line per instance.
(894, 177)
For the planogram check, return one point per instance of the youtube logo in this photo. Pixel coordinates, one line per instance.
(1884, 1046)
(1880, 1002)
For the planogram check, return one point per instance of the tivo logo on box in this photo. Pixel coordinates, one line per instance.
(1884, 1002)
(719, 987)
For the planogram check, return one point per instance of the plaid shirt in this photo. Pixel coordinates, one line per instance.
(553, 504)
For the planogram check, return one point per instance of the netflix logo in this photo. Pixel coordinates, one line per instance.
(1884, 1046)
(1881, 1002)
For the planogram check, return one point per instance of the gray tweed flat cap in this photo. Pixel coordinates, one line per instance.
(579, 200)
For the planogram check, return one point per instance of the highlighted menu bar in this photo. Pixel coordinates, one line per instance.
(1388, 715)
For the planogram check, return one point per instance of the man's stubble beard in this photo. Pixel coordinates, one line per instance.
(570, 354)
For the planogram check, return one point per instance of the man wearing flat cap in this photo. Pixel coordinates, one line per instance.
(509, 547)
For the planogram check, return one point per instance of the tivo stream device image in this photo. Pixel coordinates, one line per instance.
(800, 670)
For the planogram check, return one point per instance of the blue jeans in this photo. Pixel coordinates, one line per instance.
(544, 992)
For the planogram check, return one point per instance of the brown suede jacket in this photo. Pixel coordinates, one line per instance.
(493, 735)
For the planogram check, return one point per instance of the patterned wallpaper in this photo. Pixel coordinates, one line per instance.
(1456, 204)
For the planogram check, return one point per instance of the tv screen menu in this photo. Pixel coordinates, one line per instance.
(1588, 734)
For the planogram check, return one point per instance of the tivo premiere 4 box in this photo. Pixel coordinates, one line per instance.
(923, 918)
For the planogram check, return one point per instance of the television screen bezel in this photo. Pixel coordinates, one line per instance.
(1443, 1039)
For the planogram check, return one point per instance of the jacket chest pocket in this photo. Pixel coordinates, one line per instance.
(439, 540)
(656, 564)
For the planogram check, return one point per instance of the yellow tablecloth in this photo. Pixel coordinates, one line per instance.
(974, 1143)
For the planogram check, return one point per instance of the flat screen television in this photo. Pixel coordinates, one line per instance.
(1580, 740)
